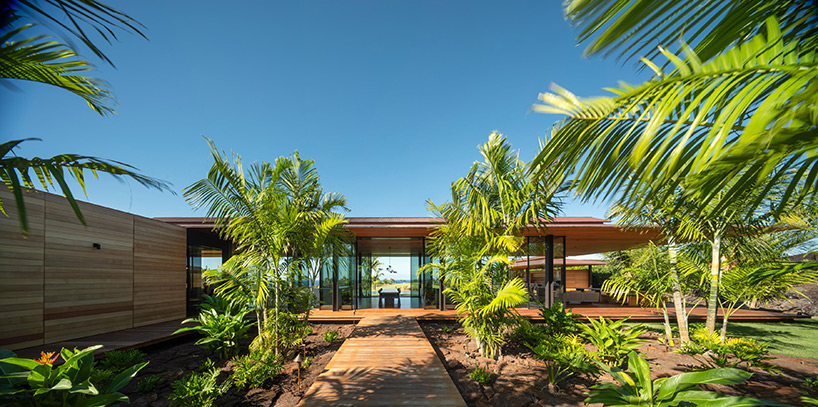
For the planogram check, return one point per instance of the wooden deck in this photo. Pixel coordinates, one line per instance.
(119, 340)
(609, 311)
(386, 362)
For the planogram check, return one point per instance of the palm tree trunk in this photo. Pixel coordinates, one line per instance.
(723, 334)
(668, 331)
(678, 303)
(715, 272)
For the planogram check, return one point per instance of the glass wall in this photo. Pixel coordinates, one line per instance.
(199, 258)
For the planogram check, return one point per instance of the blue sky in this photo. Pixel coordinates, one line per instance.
(390, 98)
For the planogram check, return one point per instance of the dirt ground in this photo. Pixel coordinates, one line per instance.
(518, 378)
(171, 361)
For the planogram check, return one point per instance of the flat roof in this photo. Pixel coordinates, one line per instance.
(584, 235)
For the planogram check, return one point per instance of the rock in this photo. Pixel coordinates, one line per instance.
(453, 363)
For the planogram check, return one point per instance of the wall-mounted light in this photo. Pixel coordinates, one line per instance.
(96, 246)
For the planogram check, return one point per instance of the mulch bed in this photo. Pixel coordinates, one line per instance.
(171, 361)
(518, 378)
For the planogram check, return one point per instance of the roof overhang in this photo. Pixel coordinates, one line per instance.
(583, 235)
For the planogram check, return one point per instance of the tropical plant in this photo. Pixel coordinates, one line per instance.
(223, 305)
(612, 340)
(636, 388)
(710, 350)
(811, 386)
(558, 319)
(147, 384)
(222, 332)
(254, 369)
(37, 382)
(122, 359)
(490, 207)
(564, 356)
(330, 336)
(649, 280)
(39, 58)
(307, 362)
(290, 335)
(198, 389)
(446, 329)
(480, 376)
(278, 217)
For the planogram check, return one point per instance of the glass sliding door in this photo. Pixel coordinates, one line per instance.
(347, 277)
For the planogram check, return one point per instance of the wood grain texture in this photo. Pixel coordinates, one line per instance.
(159, 272)
(56, 286)
(386, 362)
(21, 272)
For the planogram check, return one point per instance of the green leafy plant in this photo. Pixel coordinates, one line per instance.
(285, 333)
(480, 375)
(101, 377)
(811, 386)
(254, 369)
(446, 329)
(147, 384)
(37, 382)
(307, 362)
(222, 332)
(330, 336)
(121, 359)
(207, 365)
(223, 305)
(198, 389)
(635, 387)
(710, 351)
(558, 320)
(563, 356)
(612, 340)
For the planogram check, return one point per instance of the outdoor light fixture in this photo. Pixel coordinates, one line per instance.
(298, 360)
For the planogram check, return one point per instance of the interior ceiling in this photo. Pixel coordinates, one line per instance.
(387, 247)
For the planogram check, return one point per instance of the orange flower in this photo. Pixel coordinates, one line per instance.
(47, 358)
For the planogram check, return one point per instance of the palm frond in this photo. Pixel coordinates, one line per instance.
(39, 59)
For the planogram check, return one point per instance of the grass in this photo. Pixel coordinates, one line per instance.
(796, 338)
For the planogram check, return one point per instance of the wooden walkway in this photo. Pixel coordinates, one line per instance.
(119, 340)
(386, 362)
(608, 311)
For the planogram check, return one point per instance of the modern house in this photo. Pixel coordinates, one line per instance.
(64, 280)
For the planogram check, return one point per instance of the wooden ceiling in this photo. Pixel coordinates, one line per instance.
(583, 235)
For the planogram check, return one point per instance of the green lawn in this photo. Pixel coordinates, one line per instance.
(798, 338)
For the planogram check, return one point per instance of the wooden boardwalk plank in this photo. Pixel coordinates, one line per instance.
(386, 362)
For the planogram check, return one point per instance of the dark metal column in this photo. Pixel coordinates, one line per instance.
(549, 270)
(528, 269)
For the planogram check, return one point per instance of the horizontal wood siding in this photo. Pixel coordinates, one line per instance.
(159, 272)
(55, 286)
(87, 290)
(21, 272)
(577, 278)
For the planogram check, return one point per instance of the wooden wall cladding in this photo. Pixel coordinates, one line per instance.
(21, 273)
(55, 285)
(159, 272)
(577, 278)
(87, 290)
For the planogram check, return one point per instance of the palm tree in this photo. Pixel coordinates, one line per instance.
(490, 208)
(728, 113)
(16, 174)
(279, 220)
(41, 59)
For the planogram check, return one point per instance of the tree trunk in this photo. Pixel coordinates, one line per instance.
(715, 272)
(723, 334)
(668, 331)
(678, 303)
(276, 318)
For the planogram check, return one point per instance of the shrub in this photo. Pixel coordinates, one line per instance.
(558, 320)
(446, 329)
(307, 362)
(330, 336)
(635, 388)
(708, 349)
(480, 375)
(147, 384)
(254, 369)
(564, 356)
(612, 340)
(121, 359)
(207, 365)
(811, 386)
(198, 389)
(222, 306)
(37, 382)
(222, 332)
(101, 377)
(291, 331)
(527, 333)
